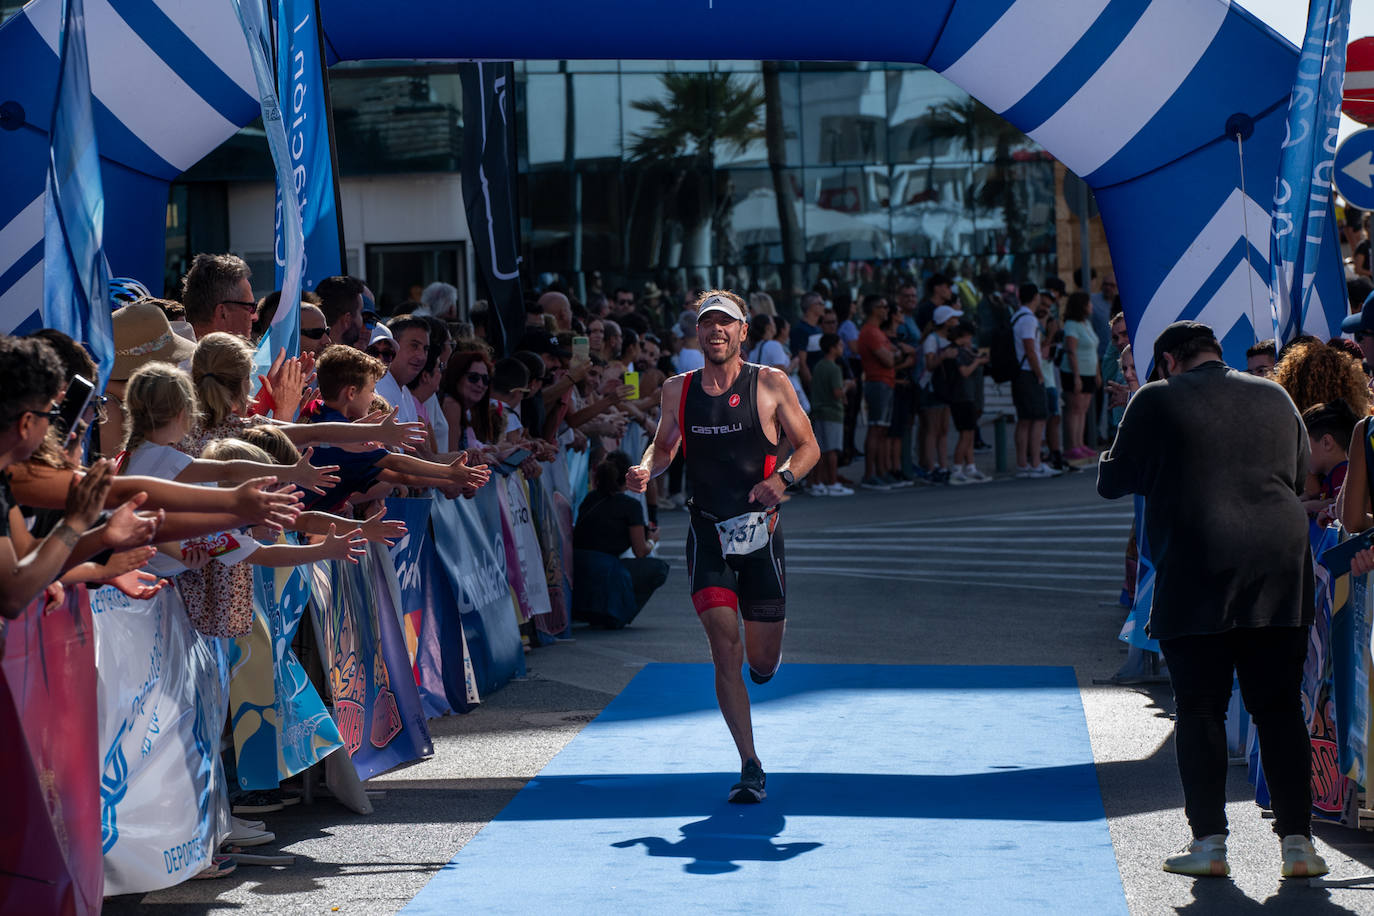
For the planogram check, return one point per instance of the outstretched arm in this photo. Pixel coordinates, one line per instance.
(660, 452)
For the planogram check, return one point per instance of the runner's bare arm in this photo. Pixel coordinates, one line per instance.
(777, 395)
(660, 453)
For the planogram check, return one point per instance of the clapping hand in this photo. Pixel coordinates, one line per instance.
(86, 497)
(127, 527)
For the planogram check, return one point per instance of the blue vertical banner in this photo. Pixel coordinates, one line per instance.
(284, 333)
(304, 94)
(75, 274)
(1303, 215)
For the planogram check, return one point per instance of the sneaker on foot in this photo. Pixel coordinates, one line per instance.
(976, 476)
(1300, 859)
(957, 477)
(749, 789)
(219, 867)
(981, 447)
(242, 833)
(875, 483)
(1044, 472)
(1206, 857)
(1024, 473)
(839, 489)
(897, 481)
(257, 803)
(819, 489)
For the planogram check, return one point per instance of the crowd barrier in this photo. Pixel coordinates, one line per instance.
(128, 689)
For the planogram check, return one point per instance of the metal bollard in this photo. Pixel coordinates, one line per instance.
(999, 442)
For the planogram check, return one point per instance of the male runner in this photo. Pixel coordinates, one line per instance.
(730, 417)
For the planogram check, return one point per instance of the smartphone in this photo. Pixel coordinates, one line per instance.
(582, 348)
(632, 379)
(516, 458)
(78, 398)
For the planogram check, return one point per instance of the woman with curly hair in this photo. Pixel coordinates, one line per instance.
(1314, 373)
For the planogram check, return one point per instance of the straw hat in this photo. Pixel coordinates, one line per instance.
(142, 334)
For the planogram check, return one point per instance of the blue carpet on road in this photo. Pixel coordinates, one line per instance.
(891, 789)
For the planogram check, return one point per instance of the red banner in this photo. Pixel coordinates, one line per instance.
(50, 859)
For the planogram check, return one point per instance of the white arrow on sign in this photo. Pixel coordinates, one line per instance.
(1361, 170)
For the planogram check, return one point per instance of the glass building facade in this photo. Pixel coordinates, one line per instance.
(770, 176)
(754, 175)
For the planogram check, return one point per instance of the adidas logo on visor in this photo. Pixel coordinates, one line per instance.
(721, 304)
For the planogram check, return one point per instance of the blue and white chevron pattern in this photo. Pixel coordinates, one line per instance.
(1134, 95)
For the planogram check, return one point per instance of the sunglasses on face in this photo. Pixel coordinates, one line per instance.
(53, 413)
(250, 306)
(478, 378)
(385, 355)
(314, 333)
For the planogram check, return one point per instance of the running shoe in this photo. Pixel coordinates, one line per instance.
(980, 447)
(819, 489)
(839, 489)
(897, 482)
(1206, 857)
(1044, 472)
(974, 475)
(749, 789)
(1300, 859)
(1024, 473)
(875, 483)
(957, 478)
(939, 476)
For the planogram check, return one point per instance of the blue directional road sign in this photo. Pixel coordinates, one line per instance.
(1354, 169)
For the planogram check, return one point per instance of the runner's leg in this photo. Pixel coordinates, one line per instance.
(727, 652)
(763, 645)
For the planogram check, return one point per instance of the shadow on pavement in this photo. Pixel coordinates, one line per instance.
(730, 835)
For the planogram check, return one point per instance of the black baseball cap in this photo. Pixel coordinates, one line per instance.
(1178, 334)
(541, 342)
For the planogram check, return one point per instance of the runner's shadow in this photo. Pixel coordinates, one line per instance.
(731, 835)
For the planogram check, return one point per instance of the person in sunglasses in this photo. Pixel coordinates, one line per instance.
(314, 330)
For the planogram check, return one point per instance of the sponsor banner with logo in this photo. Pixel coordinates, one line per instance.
(1350, 657)
(162, 702)
(278, 720)
(419, 614)
(50, 846)
(1333, 795)
(376, 705)
(470, 549)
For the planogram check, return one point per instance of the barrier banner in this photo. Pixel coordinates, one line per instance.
(1133, 631)
(162, 701)
(376, 704)
(555, 540)
(1350, 659)
(50, 847)
(1333, 795)
(278, 720)
(470, 549)
(524, 559)
(579, 476)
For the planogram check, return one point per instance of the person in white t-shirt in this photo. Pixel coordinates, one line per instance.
(412, 352)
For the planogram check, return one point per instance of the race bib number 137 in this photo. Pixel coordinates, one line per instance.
(746, 533)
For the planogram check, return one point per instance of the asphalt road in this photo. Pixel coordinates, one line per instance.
(1013, 572)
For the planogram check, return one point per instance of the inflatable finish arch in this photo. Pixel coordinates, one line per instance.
(1134, 95)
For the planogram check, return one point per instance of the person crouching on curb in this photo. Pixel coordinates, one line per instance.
(1221, 458)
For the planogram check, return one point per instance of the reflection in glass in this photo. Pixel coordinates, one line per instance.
(930, 210)
(847, 214)
(846, 117)
(748, 232)
(397, 122)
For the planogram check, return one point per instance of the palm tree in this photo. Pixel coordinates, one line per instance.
(699, 114)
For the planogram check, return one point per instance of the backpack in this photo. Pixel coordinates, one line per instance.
(1003, 360)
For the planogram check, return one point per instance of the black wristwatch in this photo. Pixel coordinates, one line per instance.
(787, 477)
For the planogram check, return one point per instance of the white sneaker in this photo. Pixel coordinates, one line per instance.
(974, 475)
(839, 489)
(957, 478)
(241, 833)
(1206, 857)
(819, 489)
(1044, 472)
(1300, 859)
(1024, 473)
